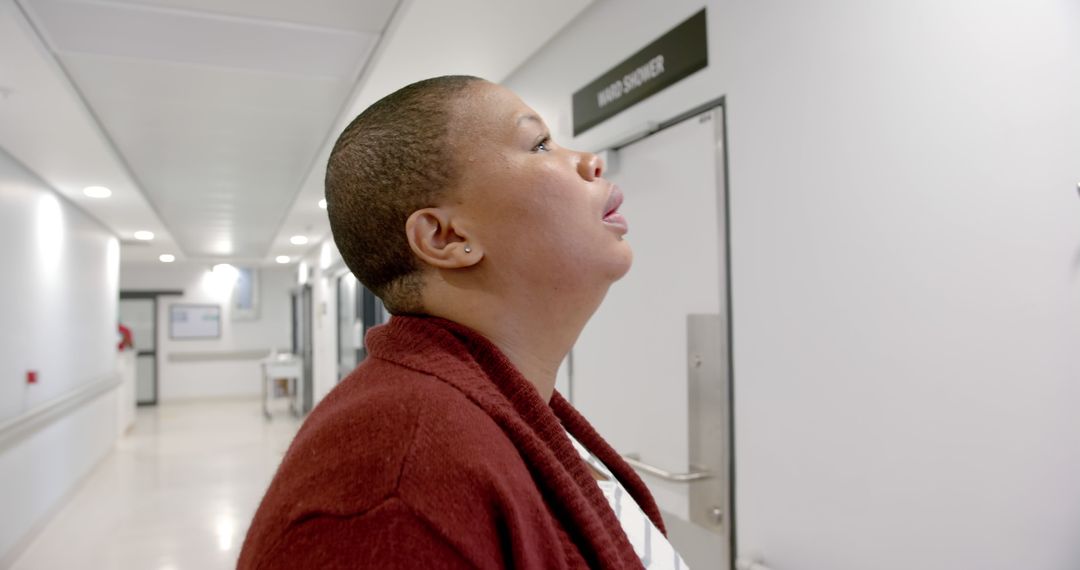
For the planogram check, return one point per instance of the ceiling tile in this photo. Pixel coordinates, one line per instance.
(202, 140)
(357, 15)
(139, 32)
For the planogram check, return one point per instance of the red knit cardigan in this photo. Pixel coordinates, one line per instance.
(437, 453)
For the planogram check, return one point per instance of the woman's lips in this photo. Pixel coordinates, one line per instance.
(611, 209)
(617, 220)
(614, 200)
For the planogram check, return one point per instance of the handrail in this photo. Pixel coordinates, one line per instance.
(634, 460)
(220, 355)
(744, 564)
(18, 428)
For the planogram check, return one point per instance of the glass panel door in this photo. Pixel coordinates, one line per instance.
(139, 315)
(349, 327)
(302, 342)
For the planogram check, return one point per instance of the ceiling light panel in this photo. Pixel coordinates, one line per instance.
(97, 192)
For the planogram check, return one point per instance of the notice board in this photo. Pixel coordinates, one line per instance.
(194, 321)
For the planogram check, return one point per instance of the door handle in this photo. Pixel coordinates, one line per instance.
(634, 460)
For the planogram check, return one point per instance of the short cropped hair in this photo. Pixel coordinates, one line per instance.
(392, 159)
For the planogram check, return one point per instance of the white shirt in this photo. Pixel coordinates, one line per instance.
(652, 547)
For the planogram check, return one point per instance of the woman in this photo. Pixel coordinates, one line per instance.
(448, 447)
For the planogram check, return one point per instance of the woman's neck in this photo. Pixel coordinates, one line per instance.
(533, 336)
(536, 351)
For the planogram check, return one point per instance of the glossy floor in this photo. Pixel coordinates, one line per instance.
(177, 492)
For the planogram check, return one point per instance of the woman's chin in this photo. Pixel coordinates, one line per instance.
(620, 261)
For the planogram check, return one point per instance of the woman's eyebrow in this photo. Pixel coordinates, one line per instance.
(533, 118)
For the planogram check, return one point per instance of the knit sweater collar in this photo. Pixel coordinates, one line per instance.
(469, 362)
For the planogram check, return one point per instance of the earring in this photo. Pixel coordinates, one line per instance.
(468, 249)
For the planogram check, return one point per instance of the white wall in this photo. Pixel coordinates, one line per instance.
(58, 298)
(39, 473)
(323, 266)
(905, 242)
(126, 395)
(228, 374)
(58, 307)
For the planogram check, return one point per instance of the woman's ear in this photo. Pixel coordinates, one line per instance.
(438, 239)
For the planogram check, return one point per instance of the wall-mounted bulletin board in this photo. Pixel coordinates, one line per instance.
(194, 321)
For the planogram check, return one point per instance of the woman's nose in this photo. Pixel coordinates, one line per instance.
(591, 166)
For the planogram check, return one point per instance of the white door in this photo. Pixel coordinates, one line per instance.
(631, 375)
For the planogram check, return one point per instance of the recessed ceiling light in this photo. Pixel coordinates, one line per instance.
(144, 235)
(322, 203)
(282, 259)
(167, 258)
(97, 191)
(225, 273)
(298, 240)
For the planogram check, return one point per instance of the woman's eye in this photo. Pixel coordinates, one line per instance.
(542, 146)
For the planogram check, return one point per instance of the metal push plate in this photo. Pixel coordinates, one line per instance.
(707, 375)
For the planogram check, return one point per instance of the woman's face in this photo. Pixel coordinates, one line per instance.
(543, 215)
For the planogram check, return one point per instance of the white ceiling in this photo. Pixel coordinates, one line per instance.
(218, 115)
(211, 120)
(46, 126)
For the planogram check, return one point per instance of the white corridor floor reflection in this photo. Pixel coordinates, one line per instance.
(177, 493)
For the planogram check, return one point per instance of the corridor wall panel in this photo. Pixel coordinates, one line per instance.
(58, 309)
(58, 294)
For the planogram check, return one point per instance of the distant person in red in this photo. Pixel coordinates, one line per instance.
(125, 338)
(448, 447)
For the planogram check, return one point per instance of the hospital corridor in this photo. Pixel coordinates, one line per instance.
(171, 494)
(696, 284)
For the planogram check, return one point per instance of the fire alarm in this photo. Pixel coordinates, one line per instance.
(31, 376)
